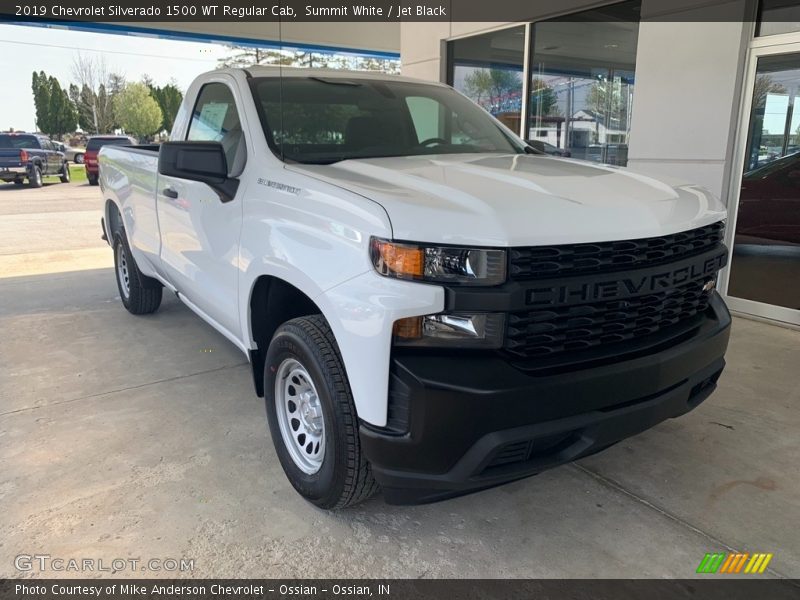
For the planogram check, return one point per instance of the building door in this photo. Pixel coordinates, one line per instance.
(764, 272)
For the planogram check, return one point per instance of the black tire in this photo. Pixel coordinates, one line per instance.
(92, 179)
(79, 159)
(65, 174)
(344, 477)
(35, 177)
(142, 294)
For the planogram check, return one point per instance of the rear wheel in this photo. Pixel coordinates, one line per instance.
(35, 177)
(312, 417)
(79, 159)
(140, 294)
(65, 174)
(92, 179)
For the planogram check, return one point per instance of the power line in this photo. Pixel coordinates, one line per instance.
(80, 49)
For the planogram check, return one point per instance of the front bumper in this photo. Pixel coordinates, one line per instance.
(475, 421)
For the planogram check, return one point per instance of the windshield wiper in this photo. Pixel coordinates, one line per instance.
(333, 81)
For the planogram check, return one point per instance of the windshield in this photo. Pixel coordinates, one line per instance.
(19, 141)
(97, 143)
(325, 120)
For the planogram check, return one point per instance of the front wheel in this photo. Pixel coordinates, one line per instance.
(140, 294)
(65, 174)
(92, 179)
(312, 417)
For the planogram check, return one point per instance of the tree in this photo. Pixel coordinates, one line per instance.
(137, 111)
(169, 99)
(98, 88)
(41, 100)
(55, 112)
(544, 102)
(764, 86)
(489, 87)
(605, 98)
(63, 116)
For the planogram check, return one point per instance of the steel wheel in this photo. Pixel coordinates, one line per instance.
(122, 272)
(300, 418)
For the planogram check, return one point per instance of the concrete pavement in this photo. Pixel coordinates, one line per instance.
(141, 437)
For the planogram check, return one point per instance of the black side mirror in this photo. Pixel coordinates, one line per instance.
(536, 145)
(198, 161)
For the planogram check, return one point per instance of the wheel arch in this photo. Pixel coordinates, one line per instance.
(113, 221)
(273, 301)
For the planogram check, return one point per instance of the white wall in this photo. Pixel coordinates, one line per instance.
(688, 77)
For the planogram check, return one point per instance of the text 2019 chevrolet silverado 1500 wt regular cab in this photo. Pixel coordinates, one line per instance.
(429, 306)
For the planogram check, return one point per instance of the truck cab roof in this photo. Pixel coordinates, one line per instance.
(341, 74)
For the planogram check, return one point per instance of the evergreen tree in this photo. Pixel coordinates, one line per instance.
(169, 99)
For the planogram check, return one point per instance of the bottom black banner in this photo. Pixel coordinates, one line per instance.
(452, 589)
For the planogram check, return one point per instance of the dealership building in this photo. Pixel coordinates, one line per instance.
(702, 91)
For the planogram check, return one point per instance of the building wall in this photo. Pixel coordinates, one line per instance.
(687, 96)
(688, 85)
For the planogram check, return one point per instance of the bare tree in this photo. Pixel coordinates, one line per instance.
(92, 73)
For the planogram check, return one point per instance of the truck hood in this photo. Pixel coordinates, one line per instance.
(519, 200)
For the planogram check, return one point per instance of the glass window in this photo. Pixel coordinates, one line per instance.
(778, 16)
(325, 120)
(18, 141)
(96, 143)
(582, 80)
(215, 119)
(766, 247)
(489, 69)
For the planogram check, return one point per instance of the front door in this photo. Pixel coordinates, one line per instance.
(765, 263)
(199, 232)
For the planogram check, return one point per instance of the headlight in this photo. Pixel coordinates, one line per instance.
(456, 330)
(439, 264)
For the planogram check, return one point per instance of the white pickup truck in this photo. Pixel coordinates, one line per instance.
(430, 306)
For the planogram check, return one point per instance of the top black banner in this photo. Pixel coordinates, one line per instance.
(386, 10)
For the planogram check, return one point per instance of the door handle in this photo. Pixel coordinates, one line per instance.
(170, 193)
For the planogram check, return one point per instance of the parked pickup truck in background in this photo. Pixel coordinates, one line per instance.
(429, 305)
(93, 146)
(30, 156)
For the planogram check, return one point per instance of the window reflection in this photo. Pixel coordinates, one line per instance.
(488, 68)
(766, 252)
(581, 83)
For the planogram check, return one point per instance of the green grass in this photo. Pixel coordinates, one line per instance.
(77, 173)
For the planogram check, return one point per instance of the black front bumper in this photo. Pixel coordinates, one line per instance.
(475, 421)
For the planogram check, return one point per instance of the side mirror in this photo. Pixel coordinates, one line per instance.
(198, 161)
(536, 145)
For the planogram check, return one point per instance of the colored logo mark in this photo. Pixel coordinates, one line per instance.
(734, 562)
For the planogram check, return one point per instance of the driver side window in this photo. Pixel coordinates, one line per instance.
(215, 119)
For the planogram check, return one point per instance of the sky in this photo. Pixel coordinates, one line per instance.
(27, 49)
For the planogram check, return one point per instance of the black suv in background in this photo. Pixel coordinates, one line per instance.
(30, 156)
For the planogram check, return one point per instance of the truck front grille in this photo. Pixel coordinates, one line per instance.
(560, 329)
(539, 262)
(572, 312)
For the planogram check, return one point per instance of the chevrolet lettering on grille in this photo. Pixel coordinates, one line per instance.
(665, 278)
